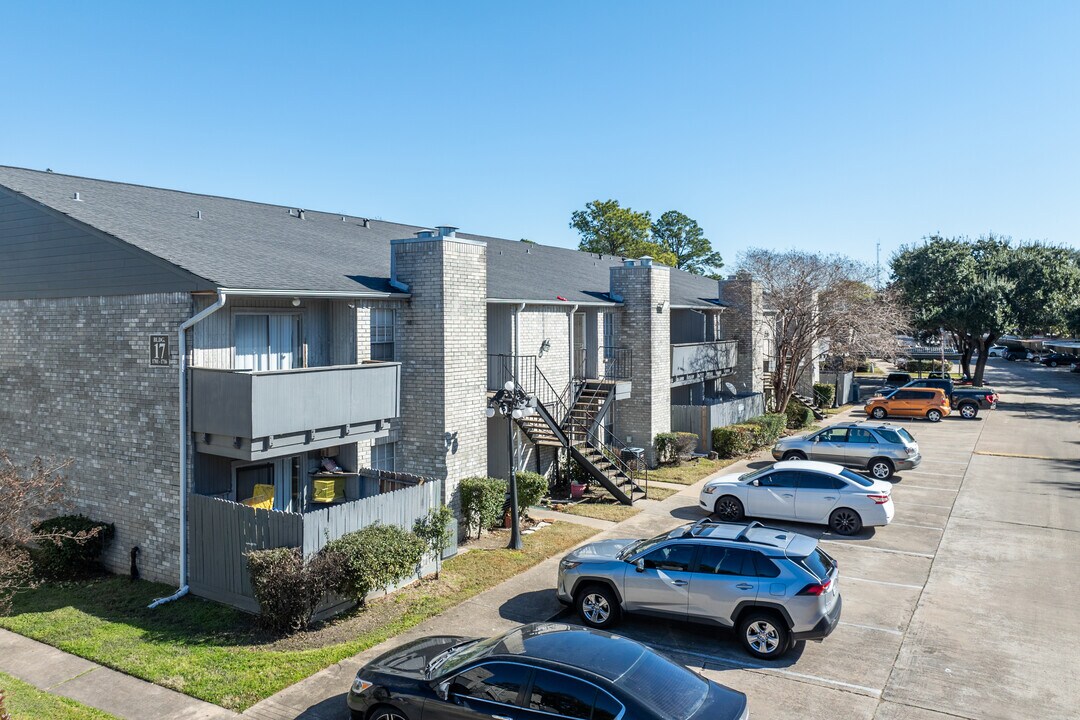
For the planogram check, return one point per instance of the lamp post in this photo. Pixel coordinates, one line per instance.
(512, 403)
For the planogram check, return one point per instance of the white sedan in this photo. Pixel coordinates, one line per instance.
(803, 491)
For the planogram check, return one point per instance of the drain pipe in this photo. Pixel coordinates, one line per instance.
(182, 345)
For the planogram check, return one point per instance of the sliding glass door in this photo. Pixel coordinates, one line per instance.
(267, 341)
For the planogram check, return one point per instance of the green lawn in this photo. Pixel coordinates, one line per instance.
(605, 510)
(657, 492)
(690, 471)
(26, 702)
(215, 653)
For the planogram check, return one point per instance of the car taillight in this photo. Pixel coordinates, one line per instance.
(879, 499)
(816, 588)
(991, 398)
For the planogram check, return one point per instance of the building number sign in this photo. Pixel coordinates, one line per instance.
(159, 350)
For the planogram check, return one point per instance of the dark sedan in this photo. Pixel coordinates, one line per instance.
(1055, 359)
(538, 671)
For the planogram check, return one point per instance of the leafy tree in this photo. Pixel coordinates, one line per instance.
(435, 531)
(684, 238)
(608, 228)
(821, 304)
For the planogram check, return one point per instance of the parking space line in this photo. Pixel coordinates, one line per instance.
(715, 660)
(877, 549)
(932, 474)
(848, 578)
(946, 507)
(875, 628)
(926, 487)
(925, 527)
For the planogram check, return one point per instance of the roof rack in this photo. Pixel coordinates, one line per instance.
(689, 532)
(742, 533)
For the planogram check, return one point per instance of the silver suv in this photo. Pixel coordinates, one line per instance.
(774, 587)
(880, 448)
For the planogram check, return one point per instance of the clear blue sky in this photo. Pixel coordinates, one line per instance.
(826, 126)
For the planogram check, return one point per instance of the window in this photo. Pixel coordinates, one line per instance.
(765, 567)
(818, 563)
(382, 456)
(855, 478)
(609, 335)
(904, 395)
(267, 342)
(672, 558)
(817, 481)
(382, 334)
(834, 435)
(861, 436)
(668, 689)
(718, 560)
(561, 695)
(494, 682)
(778, 480)
(606, 708)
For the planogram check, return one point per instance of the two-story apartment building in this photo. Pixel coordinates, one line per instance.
(171, 343)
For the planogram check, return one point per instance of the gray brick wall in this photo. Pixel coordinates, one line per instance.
(645, 328)
(76, 384)
(743, 320)
(443, 352)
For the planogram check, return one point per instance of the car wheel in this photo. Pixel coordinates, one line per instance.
(933, 415)
(968, 411)
(1053, 363)
(729, 508)
(794, 455)
(880, 468)
(764, 635)
(385, 713)
(597, 606)
(845, 521)
(879, 413)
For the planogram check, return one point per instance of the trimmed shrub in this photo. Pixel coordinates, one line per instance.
(436, 532)
(530, 488)
(69, 545)
(770, 426)
(666, 445)
(374, 557)
(685, 444)
(824, 394)
(482, 502)
(798, 416)
(734, 440)
(287, 588)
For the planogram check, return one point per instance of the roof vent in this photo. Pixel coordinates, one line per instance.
(75, 196)
(629, 262)
(300, 213)
(425, 233)
(365, 222)
(645, 260)
(446, 230)
(198, 214)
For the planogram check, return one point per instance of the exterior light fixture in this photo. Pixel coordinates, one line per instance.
(296, 302)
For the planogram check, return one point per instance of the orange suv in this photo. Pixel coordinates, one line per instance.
(930, 403)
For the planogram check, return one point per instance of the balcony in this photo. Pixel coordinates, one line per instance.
(256, 415)
(691, 362)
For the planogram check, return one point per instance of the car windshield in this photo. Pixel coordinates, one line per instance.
(751, 475)
(639, 545)
(670, 690)
(905, 434)
(855, 478)
(462, 654)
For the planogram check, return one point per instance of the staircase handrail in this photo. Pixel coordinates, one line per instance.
(612, 448)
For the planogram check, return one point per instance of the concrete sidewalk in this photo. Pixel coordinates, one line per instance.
(122, 695)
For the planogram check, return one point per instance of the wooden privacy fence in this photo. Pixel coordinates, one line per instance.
(221, 532)
(701, 419)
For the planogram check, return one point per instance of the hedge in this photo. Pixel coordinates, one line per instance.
(770, 427)
(798, 416)
(824, 394)
(287, 588)
(734, 440)
(482, 502)
(373, 558)
(530, 488)
(674, 447)
(69, 545)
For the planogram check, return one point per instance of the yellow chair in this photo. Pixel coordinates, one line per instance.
(328, 490)
(262, 496)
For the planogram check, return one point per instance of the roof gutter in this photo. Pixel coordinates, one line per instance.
(326, 294)
(181, 333)
(553, 301)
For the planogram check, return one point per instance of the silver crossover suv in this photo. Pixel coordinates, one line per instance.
(773, 587)
(877, 447)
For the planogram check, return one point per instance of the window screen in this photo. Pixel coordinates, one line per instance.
(382, 334)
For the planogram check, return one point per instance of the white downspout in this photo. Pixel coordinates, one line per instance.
(182, 344)
(573, 350)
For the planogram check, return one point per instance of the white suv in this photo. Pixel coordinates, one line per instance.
(802, 491)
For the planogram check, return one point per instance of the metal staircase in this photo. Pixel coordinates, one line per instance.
(573, 419)
(810, 403)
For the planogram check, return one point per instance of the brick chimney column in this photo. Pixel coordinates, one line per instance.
(744, 320)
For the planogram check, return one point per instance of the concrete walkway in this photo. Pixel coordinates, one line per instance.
(122, 695)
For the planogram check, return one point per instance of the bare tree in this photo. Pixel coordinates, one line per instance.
(823, 305)
(27, 494)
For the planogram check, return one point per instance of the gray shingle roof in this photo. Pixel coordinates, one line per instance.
(244, 244)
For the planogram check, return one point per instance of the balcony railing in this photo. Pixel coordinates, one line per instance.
(699, 361)
(254, 415)
(613, 363)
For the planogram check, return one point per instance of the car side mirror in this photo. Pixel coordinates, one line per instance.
(755, 482)
(640, 565)
(443, 690)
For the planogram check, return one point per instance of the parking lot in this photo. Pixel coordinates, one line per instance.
(965, 606)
